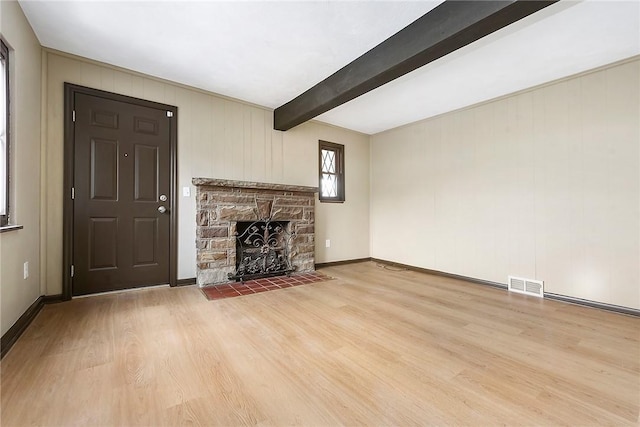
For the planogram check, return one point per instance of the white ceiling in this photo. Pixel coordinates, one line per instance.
(268, 52)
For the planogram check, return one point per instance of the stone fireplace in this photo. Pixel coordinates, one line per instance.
(225, 206)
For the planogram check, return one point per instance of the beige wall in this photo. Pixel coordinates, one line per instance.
(543, 184)
(217, 138)
(17, 247)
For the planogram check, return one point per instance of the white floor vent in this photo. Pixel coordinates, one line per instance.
(526, 286)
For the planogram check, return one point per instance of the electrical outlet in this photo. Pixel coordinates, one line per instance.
(327, 243)
(186, 191)
(25, 269)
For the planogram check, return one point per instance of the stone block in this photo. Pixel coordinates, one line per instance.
(305, 265)
(302, 256)
(209, 256)
(213, 276)
(215, 189)
(304, 228)
(222, 243)
(286, 213)
(301, 239)
(206, 199)
(211, 232)
(309, 215)
(237, 213)
(202, 218)
(235, 198)
(292, 201)
(307, 248)
(202, 198)
(264, 207)
(202, 244)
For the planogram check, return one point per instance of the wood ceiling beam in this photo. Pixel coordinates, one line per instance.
(448, 27)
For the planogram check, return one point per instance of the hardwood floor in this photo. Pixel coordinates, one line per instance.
(374, 347)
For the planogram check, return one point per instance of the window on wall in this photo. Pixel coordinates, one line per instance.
(4, 134)
(331, 172)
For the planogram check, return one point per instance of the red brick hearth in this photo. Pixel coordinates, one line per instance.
(236, 289)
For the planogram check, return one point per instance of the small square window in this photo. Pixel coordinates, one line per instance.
(331, 172)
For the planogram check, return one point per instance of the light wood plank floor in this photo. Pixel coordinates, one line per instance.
(374, 347)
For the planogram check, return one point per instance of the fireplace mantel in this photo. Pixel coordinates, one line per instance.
(228, 183)
(222, 203)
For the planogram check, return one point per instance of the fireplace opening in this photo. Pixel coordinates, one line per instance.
(262, 249)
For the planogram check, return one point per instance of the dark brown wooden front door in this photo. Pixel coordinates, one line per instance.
(121, 185)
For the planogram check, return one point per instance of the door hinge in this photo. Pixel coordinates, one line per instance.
(73, 193)
(169, 113)
(72, 270)
(73, 115)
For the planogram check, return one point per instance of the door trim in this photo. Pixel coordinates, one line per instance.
(70, 90)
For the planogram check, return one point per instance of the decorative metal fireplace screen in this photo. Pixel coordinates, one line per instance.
(262, 249)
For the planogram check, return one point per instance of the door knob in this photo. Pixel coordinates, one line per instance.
(162, 209)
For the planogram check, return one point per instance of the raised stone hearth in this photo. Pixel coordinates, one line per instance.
(221, 203)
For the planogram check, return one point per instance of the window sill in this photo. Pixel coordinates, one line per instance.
(6, 228)
(331, 201)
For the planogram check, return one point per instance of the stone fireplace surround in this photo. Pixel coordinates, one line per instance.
(221, 203)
